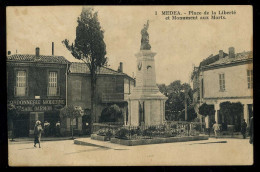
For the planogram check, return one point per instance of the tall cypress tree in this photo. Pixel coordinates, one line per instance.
(89, 46)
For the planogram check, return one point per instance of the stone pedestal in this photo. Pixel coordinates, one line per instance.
(146, 104)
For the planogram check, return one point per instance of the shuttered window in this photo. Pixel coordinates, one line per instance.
(53, 79)
(53, 84)
(250, 79)
(222, 82)
(21, 83)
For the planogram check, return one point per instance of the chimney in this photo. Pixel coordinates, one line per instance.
(121, 67)
(221, 54)
(52, 52)
(37, 51)
(231, 52)
(9, 52)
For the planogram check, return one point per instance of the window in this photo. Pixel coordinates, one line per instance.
(222, 82)
(126, 86)
(76, 90)
(250, 78)
(53, 84)
(20, 83)
(202, 89)
(119, 85)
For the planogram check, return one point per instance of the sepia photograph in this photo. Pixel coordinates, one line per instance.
(130, 85)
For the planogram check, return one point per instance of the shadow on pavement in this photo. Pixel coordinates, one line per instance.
(29, 148)
(89, 150)
(209, 142)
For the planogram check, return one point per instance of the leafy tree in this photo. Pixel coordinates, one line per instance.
(177, 94)
(89, 46)
(191, 114)
(13, 112)
(71, 112)
(206, 110)
(111, 114)
(162, 88)
(237, 111)
(226, 111)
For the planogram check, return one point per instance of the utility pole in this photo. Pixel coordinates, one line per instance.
(185, 104)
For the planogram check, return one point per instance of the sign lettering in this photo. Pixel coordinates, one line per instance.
(38, 102)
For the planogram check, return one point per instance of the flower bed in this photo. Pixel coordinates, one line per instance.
(169, 129)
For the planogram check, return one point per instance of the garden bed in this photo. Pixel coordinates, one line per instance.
(98, 137)
(157, 140)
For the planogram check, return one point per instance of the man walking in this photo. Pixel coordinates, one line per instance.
(216, 129)
(46, 126)
(251, 130)
(243, 128)
(37, 133)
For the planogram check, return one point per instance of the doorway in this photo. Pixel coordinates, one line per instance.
(52, 118)
(21, 126)
(34, 116)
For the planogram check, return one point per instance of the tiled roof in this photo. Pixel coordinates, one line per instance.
(41, 58)
(238, 58)
(212, 59)
(76, 67)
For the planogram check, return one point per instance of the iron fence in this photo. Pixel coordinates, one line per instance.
(108, 129)
(168, 129)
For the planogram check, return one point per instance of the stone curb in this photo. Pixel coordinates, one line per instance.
(157, 140)
(78, 142)
(28, 140)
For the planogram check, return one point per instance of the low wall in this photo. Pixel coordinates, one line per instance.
(157, 140)
(98, 137)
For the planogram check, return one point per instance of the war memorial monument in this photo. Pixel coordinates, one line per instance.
(146, 104)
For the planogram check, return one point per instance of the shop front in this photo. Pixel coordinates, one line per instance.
(37, 109)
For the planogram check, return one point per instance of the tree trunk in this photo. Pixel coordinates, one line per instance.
(93, 100)
(71, 126)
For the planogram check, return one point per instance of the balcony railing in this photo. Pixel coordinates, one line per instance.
(20, 91)
(53, 91)
(114, 97)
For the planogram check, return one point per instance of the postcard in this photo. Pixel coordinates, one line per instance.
(130, 85)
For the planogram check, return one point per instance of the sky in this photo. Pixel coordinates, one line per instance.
(179, 44)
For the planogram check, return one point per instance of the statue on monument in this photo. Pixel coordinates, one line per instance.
(145, 38)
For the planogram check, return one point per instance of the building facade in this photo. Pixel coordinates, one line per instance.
(112, 87)
(225, 77)
(37, 85)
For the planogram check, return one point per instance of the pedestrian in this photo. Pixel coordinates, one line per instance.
(251, 130)
(37, 133)
(243, 128)
(58, 129)
(210, 126)
(216, 129)
(189, 128)
(46, 127)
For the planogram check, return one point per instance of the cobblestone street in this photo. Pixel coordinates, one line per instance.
(65, 153)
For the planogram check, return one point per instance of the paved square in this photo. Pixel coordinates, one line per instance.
(66, 153)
